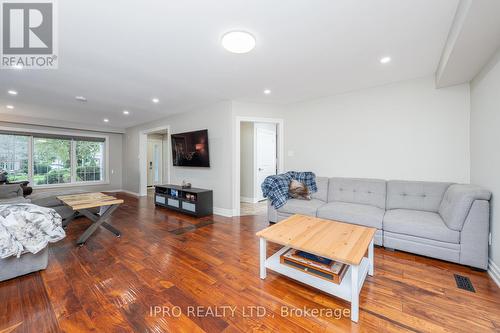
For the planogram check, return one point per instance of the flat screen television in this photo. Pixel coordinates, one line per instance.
(190, 149)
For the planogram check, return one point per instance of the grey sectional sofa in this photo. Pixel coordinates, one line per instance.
(440, 220)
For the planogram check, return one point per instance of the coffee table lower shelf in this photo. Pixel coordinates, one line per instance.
(345, 290)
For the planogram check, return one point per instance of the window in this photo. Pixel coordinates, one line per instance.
(89, 161)
(14, 156)
(52, 160)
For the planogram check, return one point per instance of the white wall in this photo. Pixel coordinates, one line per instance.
(407, 130)
(485, 142)
(247, 161)
(115, 156)
(217, 119)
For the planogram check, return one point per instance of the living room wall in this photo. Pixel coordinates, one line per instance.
(216, 118)
(485, 136)
(407, 130)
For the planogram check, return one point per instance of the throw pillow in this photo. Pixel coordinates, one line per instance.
(298, 190)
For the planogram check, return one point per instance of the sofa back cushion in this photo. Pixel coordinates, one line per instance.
(8, 191)
(426, 196)
(457, 202)
(322, 193)
(357, 190)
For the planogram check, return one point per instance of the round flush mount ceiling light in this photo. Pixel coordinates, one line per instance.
(12, 92)
(10, 107)
(106, 120)
(155, 100)
(385, 60)
(125, 112)
(267, 91)
(82, 99)
(238, 41)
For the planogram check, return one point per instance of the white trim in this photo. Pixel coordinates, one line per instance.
(80, 133)
(223, 212)
(236, 152)
(142, 160)
(249, 200)
(77, 184)
(494, 272)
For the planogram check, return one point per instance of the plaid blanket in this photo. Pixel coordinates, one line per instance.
(275, 188)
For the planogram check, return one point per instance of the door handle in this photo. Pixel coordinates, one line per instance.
(260, 169)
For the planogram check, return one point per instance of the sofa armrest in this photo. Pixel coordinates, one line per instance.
(272, 213)
(474, 235)
(457, 202)
(9, 191)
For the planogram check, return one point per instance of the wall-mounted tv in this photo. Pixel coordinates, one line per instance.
(190, 149)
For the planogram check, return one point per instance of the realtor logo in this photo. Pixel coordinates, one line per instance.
(28, 34)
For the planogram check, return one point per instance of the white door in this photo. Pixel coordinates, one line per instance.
(265, 154)
(155, 162)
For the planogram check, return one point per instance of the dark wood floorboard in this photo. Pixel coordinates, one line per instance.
(111, 284)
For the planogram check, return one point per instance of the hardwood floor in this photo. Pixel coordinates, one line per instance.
(112, 285)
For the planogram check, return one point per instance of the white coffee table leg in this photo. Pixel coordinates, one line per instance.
(370, 258)
(354, 293)
(262, 258)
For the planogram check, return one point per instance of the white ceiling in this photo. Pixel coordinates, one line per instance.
(473, 40)
(120, 54)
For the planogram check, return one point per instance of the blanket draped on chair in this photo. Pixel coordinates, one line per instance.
(275, 188)
(28, 228)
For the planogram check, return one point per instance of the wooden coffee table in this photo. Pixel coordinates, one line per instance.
(343, 242)
(82, 203)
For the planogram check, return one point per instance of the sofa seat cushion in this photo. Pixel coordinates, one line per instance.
(419, 224)
(366, 215)
(297, 206)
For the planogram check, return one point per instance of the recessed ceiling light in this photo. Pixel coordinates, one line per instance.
(10, 107)
(106, 120)
(238, 41)
(385, 60)
(12, 92)
(81, 98)
(125, 112)
(267, 91)
(155, 100)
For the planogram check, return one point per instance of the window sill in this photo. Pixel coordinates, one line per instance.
(71, 185)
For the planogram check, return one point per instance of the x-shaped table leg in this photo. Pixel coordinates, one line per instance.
(99, 220)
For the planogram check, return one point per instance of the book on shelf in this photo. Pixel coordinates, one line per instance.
(315, 265)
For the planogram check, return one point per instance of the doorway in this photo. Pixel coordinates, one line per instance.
(153, 159)
(259, 145)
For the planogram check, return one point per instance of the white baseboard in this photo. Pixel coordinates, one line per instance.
(494, 272)
(249, 200)
(223, 212)
(125, 191)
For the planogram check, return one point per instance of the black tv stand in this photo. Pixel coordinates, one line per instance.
(193, 201)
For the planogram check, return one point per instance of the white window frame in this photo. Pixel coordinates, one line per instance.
(73, 182)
